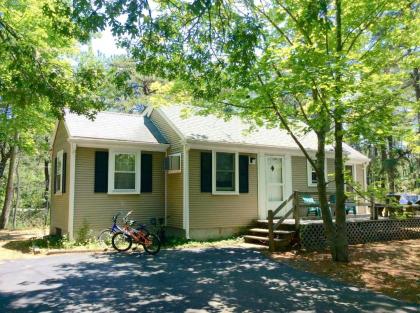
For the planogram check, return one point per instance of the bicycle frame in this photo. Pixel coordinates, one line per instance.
(138, 235)
(115, 228)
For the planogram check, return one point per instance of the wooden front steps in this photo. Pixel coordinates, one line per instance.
(259, 235)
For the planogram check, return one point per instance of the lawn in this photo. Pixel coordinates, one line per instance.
(388, 267)
(16, 244)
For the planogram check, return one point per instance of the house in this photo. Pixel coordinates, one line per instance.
(206, 177)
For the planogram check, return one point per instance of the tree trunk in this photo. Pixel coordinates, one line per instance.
(17, 190)
(46, 180)
(384, 183)
(4, 157)
(8, 199)
(329, 227)
(341, 247)
(340, 212)
(416, 84)
(391, 167)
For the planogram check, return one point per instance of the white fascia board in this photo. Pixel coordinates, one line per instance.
(249, 148)
(356, 161)
(111, 144)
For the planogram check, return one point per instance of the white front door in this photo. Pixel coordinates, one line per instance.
(274, 173)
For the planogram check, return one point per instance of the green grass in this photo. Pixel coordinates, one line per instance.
(185, 243)
(50, 242)
(54, 242)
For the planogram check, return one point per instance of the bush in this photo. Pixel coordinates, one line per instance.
(84, 235)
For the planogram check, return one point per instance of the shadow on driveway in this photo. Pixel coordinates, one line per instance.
(211, 280)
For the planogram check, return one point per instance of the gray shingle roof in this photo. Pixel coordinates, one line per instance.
(213, 129)
(114, 126)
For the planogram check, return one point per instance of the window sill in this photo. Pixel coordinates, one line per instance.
(125, 192)
(225, 193)
(58, 193)
(174, 171)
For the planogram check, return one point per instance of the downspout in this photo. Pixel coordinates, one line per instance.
(166, 192)
(186, 196)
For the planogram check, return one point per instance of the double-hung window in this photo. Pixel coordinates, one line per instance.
(124, 172)
(312, 176)
(225, 173)
(59, 173)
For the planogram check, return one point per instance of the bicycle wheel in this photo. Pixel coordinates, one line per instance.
(121, 242)
(151, 244)
(105, 237)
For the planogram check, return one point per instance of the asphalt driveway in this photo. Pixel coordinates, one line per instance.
(211, 280)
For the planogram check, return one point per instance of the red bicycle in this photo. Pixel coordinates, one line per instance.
(123, 240)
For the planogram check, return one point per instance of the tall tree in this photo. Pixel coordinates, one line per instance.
(38, 79)
(298, 65)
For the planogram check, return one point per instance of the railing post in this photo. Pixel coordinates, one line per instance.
(296, 213)
(271, 231)
(373, 210)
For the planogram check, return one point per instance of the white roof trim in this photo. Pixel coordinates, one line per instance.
(247, 148)
(110, 143)
(252, 148)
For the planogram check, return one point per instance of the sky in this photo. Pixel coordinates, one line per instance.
(105, 44)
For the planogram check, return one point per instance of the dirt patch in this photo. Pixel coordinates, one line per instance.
(10, 238)
(388, 267)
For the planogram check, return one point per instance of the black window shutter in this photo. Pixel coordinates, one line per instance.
(243, 174)
(206, 173)
(55, 175)
(64, 179)
(101, 171)
(146, 172)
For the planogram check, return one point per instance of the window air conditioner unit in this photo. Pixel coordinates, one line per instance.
(173, 163)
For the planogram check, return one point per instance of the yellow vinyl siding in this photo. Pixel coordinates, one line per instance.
(360, 177)
(60, 203)
(175, 200)
(175, 181)
(97, 209)
(168, 132)
(300, 175)
(300, 178)
(218, 211)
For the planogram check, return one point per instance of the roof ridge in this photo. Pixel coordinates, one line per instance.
(122, 113)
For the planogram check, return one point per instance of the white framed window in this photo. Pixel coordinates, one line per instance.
(58, 179)
(225, 171)
(174, 163)
(124, 172)
(311, 173)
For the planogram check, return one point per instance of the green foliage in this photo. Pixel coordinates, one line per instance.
(84, 235)
(256, 60)
(39, 77)
(30, 218)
